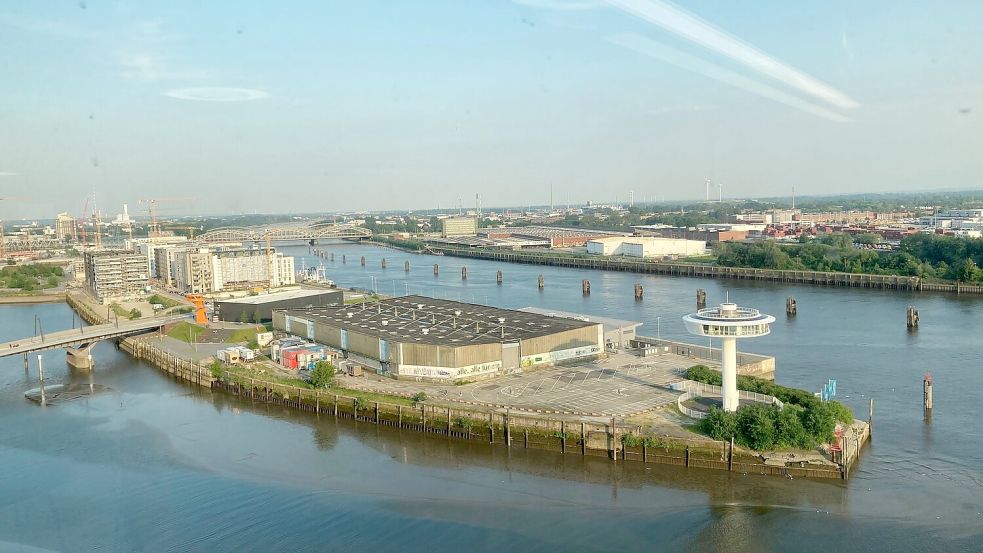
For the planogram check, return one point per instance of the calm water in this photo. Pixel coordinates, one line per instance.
(154, 465)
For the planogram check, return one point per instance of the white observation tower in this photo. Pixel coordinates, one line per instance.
(729, 322)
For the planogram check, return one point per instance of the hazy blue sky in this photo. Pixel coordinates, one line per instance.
(322, 106)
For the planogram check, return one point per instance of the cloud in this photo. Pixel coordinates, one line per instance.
(562, 5)
(7, 174)
(217, 94)
(692, 28)
(150, 68)
(692, 63)
(47, 27)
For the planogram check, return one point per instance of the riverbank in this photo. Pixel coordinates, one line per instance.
(811, 278)
(595, 436)
(44, 297)
(586, 436)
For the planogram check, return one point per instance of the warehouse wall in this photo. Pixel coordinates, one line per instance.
(568, 339)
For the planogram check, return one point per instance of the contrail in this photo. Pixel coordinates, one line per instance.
(694, 29)
(692, 63)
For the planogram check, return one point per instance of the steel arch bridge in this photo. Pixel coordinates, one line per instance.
(286, 232)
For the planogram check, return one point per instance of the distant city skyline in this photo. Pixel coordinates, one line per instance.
(373, 106)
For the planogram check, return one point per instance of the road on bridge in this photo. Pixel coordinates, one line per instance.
(84, 335)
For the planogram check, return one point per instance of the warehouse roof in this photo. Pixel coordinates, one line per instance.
(610, 325)
(435, 321)
(277, 296)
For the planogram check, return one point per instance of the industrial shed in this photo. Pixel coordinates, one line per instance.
(442, 340)
(236, 308)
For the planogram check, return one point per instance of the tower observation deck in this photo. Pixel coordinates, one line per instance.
(729, 322)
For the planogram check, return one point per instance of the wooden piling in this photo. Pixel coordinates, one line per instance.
(791, 308)
(436, 269)
(701, 298)
(583, 439)
(912, 318)
(406, 266)
(498, 277)
(383, 262)
(926, 392)
(542, 282)
(363, 261)
(464, 273)
(343, 258)
(585, 287)
(638, 291)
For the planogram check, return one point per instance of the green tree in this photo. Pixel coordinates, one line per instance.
(323, 375)
(243, 317)
(755, 428)
(719, 424)
(134, 314)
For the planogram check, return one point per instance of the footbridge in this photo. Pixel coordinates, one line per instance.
(286, 231)
(78, 342)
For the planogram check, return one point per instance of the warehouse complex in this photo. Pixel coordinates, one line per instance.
(441, 340)
(259, 309)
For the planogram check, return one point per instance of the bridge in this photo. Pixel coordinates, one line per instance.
(78, 342)
(286, 231)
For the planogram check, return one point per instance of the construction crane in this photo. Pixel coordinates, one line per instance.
(191, 230)
(152, 208)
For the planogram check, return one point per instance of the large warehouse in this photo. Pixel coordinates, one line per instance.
(250, 307)
(443, 340)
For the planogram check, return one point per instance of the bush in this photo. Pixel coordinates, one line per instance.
(704, 374)
(359, 404)
(789, 431)
(755, 427)
(217, 370)
(630, 440)
(719, 424)
(323, 375)
(419, 397)
(820, 421)
(134, 314)
(463, 423)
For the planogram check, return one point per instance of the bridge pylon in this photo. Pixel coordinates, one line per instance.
(80, 357)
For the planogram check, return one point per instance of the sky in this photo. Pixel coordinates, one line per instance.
(325, 106)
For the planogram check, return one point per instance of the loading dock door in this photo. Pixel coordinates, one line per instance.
(510, 356)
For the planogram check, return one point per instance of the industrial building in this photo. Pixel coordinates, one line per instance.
(416, 337)
(459, 226)
(559, 237)
(112, 275)
(618, 333)
(64, 227)
(261, 307)
(646, 246)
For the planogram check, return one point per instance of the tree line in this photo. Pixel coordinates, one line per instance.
(929, 256)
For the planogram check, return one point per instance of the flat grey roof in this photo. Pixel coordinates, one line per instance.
(419, 319)
(277, 296)
(610, 325)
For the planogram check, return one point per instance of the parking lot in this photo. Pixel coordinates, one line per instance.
(622, 384)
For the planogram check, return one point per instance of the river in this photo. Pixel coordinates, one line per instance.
(150, 464)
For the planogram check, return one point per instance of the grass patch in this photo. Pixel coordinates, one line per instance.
(244, 335)
(186, 332)
(163, 300)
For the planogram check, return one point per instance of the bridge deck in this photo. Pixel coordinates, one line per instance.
(84, 335)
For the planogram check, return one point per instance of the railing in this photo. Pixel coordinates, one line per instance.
(699, 389)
